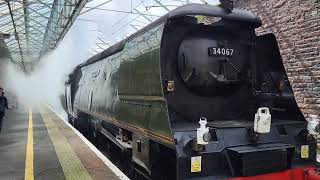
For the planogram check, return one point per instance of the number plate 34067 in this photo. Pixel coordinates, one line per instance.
(215, 51)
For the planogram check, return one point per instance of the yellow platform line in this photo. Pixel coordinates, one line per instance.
(28, 173)
(72, 166)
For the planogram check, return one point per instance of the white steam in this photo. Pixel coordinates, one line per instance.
(46, 83)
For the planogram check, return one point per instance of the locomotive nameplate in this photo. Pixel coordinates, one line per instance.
(217, 51)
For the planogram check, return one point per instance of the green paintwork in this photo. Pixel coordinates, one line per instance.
(141, 76)
(127, 87)
(158, 120)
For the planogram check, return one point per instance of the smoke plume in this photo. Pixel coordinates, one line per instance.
(45, 84)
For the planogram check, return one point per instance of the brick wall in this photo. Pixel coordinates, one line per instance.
(296, 24)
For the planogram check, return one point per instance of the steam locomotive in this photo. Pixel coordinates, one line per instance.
(202, 64)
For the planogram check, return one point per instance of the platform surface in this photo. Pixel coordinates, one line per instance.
(36, 144)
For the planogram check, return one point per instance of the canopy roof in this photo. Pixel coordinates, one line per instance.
(30, 28)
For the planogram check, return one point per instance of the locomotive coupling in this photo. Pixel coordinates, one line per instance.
(203, 135)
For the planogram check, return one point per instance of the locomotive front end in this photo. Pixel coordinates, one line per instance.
(231, 108)
(194, 95)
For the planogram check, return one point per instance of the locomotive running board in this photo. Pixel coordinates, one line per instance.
(270, 157)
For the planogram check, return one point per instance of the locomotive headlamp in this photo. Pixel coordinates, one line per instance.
(203, 136)
(262, 124)
(262, 121)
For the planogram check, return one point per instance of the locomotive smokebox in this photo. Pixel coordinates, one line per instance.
(209, 64)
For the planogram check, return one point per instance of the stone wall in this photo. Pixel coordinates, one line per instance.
(296, 24)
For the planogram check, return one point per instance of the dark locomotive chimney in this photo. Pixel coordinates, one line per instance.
(227, 5)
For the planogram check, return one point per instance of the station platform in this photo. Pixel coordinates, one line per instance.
(35, 143)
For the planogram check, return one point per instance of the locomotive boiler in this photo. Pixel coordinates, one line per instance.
(195, 94)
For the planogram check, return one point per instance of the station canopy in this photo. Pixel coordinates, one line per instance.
(31, 28)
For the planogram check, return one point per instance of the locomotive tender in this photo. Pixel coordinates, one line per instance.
(146, 95)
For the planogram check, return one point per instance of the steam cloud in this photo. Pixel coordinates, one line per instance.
(45, 83)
